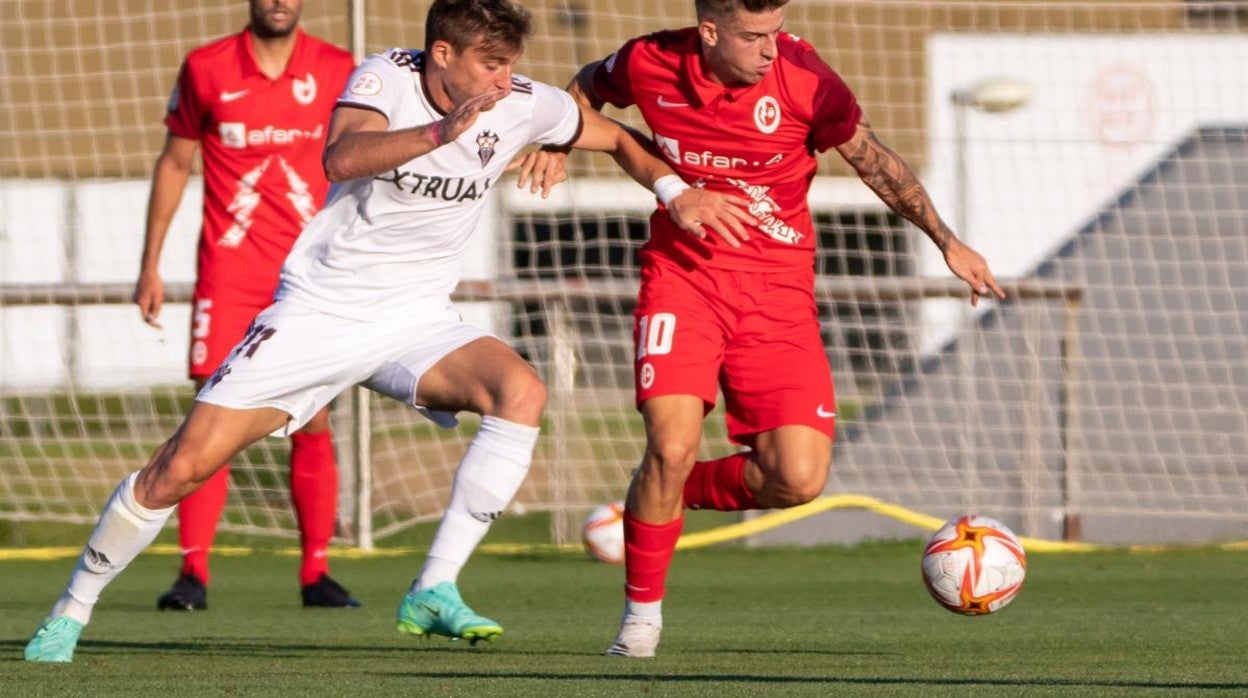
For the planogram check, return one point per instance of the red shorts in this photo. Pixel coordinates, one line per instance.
(217, 324)
(755, 335)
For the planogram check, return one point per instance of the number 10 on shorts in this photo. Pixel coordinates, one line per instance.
(654, 334)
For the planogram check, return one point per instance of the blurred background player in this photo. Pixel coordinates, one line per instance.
(738, 106)
(417, 142)
(258, 102)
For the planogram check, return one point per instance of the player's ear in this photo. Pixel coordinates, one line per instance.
(708, 31)
(441, 52)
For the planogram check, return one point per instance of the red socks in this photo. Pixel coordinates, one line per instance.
(649, 549)
(314, 489)
(719, 485)
(197, 523)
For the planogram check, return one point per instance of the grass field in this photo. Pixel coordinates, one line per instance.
(739, 622)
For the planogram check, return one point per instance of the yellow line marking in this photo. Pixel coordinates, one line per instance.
(701, 539)
(775, 519)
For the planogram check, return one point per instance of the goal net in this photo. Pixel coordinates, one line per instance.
(1095, 152)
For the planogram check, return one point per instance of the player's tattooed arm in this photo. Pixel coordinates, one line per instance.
(359, 144)
(883, 170)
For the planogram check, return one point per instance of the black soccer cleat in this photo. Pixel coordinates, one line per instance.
(326, 593)
(187, 594)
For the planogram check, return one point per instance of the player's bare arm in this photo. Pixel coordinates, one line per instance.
(169, 177)
(359, 144)
(544, 168)
(888, 175)
(692, 209)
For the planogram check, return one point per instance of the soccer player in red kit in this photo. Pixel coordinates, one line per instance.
(258, 104)
(737, 105)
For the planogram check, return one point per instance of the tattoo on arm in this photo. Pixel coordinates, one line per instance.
(896, 184)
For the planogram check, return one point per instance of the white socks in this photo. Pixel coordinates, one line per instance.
(489, 475)
(124, 530)
(650, 611)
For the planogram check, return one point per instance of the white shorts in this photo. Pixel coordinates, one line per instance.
(297, 359)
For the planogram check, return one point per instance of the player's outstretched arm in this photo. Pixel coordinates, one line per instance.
(694, 210)
(169, 176)
(359, 144)
(897, 185)
(542, 169)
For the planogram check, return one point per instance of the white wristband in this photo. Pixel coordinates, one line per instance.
(669, 187)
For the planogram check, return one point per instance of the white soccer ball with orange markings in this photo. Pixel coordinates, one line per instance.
(974, 565)
(603, 533)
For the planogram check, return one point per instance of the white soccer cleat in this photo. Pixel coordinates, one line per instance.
(637, 638)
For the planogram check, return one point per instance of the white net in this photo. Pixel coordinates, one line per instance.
(1110, 392)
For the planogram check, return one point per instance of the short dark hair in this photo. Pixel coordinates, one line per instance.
(720, 8)
(491, 24)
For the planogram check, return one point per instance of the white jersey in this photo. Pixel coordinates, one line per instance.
(384, 244)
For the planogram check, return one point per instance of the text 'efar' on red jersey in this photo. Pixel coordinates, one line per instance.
(756, 141)
(261, 140)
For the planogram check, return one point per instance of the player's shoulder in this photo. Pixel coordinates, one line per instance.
(525, 86)
(529, 94)
(660, 51)
(801, 54)
(667, 42)
(407, 60)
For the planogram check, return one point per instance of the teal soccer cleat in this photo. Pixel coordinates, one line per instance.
(440, 610)
(54, 640)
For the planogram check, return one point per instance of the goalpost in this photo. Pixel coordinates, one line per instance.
(1110, 394)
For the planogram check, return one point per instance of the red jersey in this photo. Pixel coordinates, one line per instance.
(261, 141)
(756, 141)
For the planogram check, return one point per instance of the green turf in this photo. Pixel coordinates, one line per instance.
(739, 622)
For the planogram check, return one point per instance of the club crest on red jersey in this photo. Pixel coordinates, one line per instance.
(304, 90)
(486, 140)
(767, 114)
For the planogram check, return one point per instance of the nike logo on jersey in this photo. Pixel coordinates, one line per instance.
(671, 105)
(823, 414)
(231, 96)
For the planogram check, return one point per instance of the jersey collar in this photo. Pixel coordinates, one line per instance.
(251, 66)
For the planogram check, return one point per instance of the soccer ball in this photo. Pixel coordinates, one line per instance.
(974, 565)
(603, 533)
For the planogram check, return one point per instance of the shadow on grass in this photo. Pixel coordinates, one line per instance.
(266, 650)
(830, 680)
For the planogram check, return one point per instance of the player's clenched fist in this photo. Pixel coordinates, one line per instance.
(695, 210)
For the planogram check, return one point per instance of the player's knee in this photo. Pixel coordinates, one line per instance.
(670, 460)
(799, 485)
(522, 398)
(173, 473)
(176, 470)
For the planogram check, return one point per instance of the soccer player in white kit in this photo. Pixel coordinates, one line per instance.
(415, 144)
